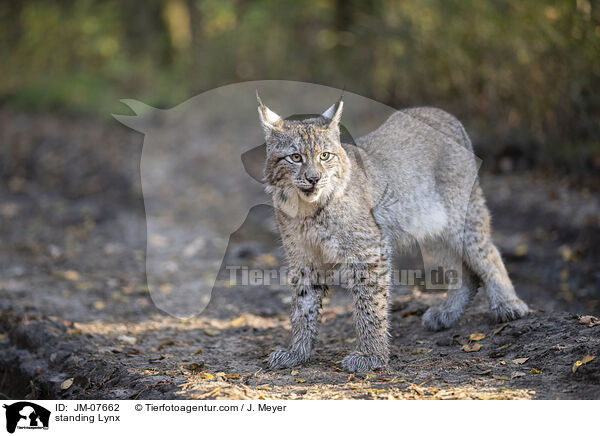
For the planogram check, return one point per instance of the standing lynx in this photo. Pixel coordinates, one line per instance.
(343, 208)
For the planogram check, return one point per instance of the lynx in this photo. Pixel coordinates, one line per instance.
(346, 207)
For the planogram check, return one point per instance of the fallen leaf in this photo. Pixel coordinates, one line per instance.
(502, 347)
(418, 351)
(207, 376)
(263, 388)
(520, 360)
(534, 371)
(128, 339)
(99, 305)
(71, 275)
(66, 384)
(474, 337)
(470, 349)
(300, 380)
(232, 376)
(586, 359)
(211, 332)
(486, 372)
(501, 377)
(370, 376)
(294, 372)
(589, 320)
(353, 387)
(164, 344)
(198, 351)
(194, 367)
(517, 374)
(498, 330)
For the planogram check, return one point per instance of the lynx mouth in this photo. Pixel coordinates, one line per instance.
(309, 191)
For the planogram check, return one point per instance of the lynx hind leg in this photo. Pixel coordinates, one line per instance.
(460, 290)
(483, 258)
(487, 264)
(449, 312)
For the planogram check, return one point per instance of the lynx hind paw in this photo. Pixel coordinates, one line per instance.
(436, 318)
(285, 359)
(362, 363)
(509, 310)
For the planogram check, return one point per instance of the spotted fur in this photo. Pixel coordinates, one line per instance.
(410, 182)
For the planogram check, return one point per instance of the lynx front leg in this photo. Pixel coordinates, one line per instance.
(370, 288)
(305, 318)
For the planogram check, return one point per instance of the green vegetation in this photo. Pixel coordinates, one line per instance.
(524, 76)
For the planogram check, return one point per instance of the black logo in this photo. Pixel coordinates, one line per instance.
(26, 415)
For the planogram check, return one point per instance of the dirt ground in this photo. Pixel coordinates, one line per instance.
(77, 320)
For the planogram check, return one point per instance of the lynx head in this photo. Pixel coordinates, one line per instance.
(305, 159)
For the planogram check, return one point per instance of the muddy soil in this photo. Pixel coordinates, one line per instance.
(77, 320)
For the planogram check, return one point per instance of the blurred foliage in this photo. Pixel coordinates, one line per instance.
(523, 76)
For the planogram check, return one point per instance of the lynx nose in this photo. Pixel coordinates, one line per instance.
(313, 180)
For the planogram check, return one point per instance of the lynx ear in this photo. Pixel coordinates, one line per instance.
(334, 113)
(270, 120)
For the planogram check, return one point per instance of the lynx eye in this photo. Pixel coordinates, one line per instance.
(325, 156)
(295, 158)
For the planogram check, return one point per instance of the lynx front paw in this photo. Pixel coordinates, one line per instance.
(436, 318)
(285, 359)
(509, 310)
(356, 362)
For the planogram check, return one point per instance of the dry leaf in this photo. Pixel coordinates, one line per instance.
(418, 351)
(198, 351)
(263, 388)
(353, 387)
(232, 376)
(300, 380)
(589, 320)
(586, 359)
(294, 372)
(474, 337)
(502, 347)
(128, 339)
(534, 371)
(211, 332)
(71, 275)
(66, 384)
(207, 376)
(517, 374)
(498, 330)
(195, 366)
(485, 372)
(520, 360)
(470, 349)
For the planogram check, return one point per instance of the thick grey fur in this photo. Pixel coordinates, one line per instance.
(411, 181)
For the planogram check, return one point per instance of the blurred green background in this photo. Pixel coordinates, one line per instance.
(524, 76)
